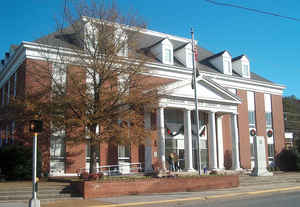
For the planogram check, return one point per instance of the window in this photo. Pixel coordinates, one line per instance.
(245, 70)
(269, 119)
(167, 55)
(251, 118)
(189, 62)
(252, 150)
(124, 152)
(57, 145)
(270, 150)
(88, 150)
(15, 84)
(58, 78)
(227, 67)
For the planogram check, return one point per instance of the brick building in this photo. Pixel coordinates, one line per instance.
(235, 104)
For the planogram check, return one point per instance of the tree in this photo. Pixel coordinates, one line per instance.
(291, 108)
(94, 84)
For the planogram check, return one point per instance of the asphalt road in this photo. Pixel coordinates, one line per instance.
(288, 199)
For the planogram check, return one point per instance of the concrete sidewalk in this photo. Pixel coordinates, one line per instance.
(249, 186)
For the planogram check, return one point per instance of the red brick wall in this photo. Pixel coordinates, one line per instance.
(134, 153)
(91, 189)
(261, 118)
(103, 154)
(75, 157)
(278, 123)
(243, 126)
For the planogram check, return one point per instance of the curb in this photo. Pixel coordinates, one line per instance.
(228, 195)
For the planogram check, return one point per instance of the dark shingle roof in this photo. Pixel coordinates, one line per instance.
(69, 38)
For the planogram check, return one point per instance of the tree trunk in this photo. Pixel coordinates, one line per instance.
(93, 160)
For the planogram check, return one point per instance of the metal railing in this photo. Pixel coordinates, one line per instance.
(123, 168)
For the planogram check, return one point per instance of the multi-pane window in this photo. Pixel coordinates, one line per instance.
(251, 118)
(15, 84)
(227, 67)
(271, 150)
(167, 55)
(58, 78)
(269, 119)
(268, 110)
(124, 151)
(252, 150)
(189, 62)
(245, 70)
(57, 144)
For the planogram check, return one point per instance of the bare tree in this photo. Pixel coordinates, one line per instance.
(94, 84)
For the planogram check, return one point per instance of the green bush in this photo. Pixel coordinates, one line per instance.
(288, 160)
(16, 162)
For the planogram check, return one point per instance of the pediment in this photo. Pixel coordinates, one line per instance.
(206, 90)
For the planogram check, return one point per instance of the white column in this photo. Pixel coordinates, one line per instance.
(161, 134)
(148, 144)
(235, 143)
(220, 142)
(188, 150)
(213, 142)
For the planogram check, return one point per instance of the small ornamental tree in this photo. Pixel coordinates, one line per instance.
(94, 84)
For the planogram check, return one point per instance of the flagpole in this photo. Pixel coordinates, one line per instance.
(196, 102)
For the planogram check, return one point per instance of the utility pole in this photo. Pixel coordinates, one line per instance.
(196, 101)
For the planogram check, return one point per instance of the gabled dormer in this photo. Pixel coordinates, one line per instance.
(241, 65)
(163, 50)
(121, 42)
(222, 62)
(184, 54)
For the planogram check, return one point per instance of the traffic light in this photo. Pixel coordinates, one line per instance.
(36, 126)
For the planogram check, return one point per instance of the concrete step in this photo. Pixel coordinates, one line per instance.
(23, 193)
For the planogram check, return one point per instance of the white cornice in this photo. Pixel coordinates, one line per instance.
(35, 50)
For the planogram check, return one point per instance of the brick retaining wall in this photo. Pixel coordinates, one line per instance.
(94, 189)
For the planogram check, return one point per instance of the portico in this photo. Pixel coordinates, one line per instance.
(176, 127)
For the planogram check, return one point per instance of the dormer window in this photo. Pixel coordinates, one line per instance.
(227, 67)
(189, 62)
(121, 42)
(241, 65)
(245, 70)
(184, 54)
(167, 56)
(222, 61)
(163, 50)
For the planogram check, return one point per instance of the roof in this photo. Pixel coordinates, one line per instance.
(69, 38)
(239, 57)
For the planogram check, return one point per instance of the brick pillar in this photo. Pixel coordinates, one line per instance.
(261, 118)
(103, 154)
(243, 125)
(75, 157)
(134, 150)
(278, 123)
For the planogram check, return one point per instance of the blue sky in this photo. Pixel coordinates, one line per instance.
(271, 43)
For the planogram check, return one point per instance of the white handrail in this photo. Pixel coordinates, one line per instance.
(115, 169)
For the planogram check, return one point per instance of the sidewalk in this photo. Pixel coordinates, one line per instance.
(248, 186)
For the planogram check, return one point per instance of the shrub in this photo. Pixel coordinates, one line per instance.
(16, 162)
(288, 160)
(91, 176)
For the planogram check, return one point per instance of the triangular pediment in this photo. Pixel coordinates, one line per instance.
(206, 90)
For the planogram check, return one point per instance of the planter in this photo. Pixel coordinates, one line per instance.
(94, 189)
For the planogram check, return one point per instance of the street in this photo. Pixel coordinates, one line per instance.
(287, 199)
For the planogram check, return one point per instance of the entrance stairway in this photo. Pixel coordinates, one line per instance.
(277, 178)
(22, 191)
